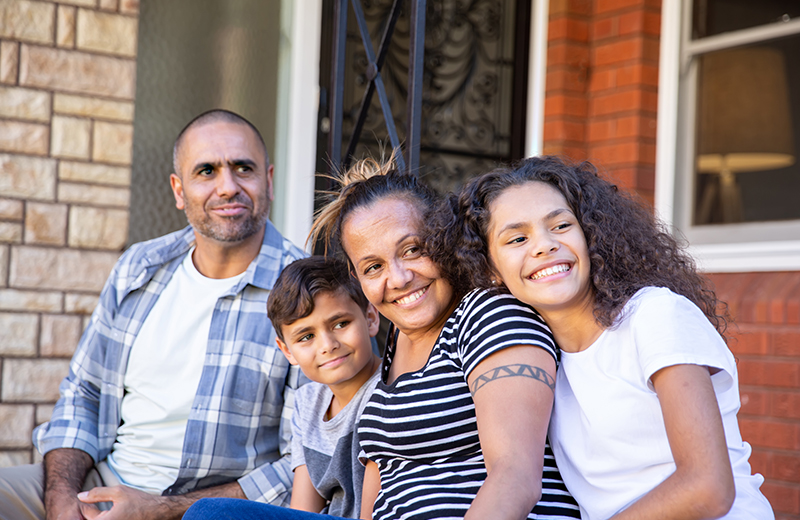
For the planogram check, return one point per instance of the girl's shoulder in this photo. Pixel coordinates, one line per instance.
(659, 302)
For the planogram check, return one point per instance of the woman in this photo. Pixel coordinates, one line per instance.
(457, 426)
(644, 424)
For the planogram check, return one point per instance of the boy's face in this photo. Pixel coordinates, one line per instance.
(332, 344)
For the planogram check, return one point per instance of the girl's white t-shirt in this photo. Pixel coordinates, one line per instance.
(607, 430)
(161, 379)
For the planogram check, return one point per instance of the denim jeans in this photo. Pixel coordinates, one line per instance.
(237, 509)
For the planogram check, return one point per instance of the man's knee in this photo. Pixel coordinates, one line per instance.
(22, 492)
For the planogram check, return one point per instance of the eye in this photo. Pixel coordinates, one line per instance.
(372, 268)
(243, 168)
(517, 240)
(563, 226)
(205, 172)
(307, 337)
(341, 324)
(412, 251)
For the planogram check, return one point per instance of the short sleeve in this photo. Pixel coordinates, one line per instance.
(298, 420)
(492, 322)
(669, 330)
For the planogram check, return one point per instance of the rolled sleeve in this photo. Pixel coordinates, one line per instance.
(75, 419)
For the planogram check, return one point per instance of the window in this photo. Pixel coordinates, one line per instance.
(729, 131)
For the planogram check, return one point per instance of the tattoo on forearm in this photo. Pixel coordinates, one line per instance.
(513, 371)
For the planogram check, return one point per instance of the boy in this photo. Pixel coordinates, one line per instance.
(324, 324)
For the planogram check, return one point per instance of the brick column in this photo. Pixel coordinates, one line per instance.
(67, 78)
(766, 343)
(602, 83)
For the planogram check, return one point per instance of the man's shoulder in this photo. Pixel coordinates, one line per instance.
(161, 249)
(275, 244)
(154, 252)
(276, 253)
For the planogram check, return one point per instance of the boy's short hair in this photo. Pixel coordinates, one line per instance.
(292, 297)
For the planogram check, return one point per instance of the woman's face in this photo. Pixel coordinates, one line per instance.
(382, 242)
(538, 248)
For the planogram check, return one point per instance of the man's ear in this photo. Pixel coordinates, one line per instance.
(270, 178)
(373, 320)
(177, 190)
(285, 350)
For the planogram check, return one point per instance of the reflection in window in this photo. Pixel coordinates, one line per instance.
(711, 17)
(748, 135)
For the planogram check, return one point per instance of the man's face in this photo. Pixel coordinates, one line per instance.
(223, 182)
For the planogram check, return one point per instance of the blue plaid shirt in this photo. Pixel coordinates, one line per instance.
(239, 427)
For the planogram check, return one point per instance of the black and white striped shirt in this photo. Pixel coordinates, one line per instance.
(421, 430)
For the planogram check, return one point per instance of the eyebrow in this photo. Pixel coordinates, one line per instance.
(371, 257)
(519, 225)
(234, 162)
(305, 330)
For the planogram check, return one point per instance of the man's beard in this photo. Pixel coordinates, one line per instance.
(229, 229)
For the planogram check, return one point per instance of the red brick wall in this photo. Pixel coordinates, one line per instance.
(601, 104)
(766, 342)
(602, 86)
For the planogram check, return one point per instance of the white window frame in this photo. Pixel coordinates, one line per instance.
(716, 248)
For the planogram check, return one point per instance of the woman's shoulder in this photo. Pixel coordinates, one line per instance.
(479, 301)
(487, 317)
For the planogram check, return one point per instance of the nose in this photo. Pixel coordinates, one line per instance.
(329, 343)
(227, 186)
(399, 276)
(545, 246)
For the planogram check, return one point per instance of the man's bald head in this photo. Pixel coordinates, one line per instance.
(214, 116)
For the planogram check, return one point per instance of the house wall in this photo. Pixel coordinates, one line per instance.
(66, 110)
(601, 105)
(67, 77)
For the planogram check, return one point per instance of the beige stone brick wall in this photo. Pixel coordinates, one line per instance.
(67, 81)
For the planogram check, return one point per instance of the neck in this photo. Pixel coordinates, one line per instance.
(214, 259)
(344, 392)
(574, 330)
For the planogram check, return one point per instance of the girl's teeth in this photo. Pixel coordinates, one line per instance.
(550, 271)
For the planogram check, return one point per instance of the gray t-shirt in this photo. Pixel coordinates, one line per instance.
(330, 449)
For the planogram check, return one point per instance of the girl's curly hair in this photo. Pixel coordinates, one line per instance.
(629, 248)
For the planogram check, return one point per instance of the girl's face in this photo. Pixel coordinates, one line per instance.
(538, 249)
(382, 241)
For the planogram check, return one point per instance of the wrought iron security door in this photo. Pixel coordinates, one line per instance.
(447, 83)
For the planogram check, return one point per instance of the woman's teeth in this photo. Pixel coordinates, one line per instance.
(411, 297)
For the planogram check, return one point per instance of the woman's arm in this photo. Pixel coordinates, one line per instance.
(702, 485)
(369, 492)
(304, 494)
(513, 394)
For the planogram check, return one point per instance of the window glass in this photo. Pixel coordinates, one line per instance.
(712, 17)
(748, 134)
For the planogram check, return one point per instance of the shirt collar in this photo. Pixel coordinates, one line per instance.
(262, 272)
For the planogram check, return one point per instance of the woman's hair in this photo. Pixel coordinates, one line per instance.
(365, 183)
(628, 247)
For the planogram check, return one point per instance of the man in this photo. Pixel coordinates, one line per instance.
(177, 389)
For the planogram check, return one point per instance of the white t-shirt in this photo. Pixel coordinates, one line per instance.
(607, 430)
(161, 379)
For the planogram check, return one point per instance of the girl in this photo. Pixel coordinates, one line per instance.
(644, 422)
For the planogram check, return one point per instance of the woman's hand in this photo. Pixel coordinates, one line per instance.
(702, 485)
(513, 394)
